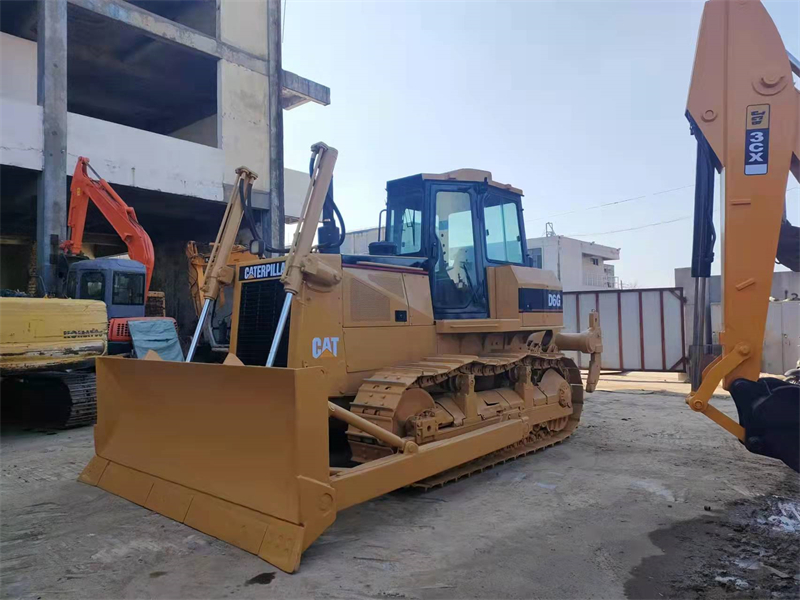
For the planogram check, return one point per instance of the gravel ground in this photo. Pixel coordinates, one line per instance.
(646, 500)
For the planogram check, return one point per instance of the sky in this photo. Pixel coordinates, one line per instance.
(576, 103)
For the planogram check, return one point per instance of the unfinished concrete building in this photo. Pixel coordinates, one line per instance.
(167, 98)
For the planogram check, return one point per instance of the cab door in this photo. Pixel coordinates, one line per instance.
(457, 275)
(503, 239)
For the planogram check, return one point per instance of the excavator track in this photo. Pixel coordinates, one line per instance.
(55, 399)
(379, 394)
(82, 399)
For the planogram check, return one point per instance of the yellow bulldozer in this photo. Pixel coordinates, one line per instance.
(437, 355)
(441, 352)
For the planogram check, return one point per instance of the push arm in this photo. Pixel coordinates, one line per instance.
(218, 273)
(300, 263)
(297, 261)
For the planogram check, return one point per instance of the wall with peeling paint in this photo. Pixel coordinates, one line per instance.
(185, 162)
(244, 25)
(122, 155)
(243, 122)
(203, 131)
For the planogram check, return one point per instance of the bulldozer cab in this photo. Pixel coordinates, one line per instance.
(462, 222)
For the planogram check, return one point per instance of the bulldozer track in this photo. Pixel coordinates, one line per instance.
(379, 393)
(533, 444)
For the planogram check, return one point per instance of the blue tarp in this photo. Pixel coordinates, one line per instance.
(158, 335)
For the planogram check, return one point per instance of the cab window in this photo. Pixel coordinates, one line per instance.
(503, 237)
(456, 276)
(93, 286)
(404, 224)
(128, 288)
(72, 285)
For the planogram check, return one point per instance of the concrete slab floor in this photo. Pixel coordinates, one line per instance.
(647, 382)
(641, 502)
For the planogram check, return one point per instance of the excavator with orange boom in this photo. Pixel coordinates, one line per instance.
(119, 215)
(48, 346)
(124, 285)
(744, 112)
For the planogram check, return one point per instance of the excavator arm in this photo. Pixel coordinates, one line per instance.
(745, 114)
(121, 217)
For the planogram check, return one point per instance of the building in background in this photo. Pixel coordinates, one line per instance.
(357, 242)
(167, 99)
(578, 265)
(781, 349)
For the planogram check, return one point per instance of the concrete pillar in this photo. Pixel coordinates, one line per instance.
(51, 204)
(276, 205)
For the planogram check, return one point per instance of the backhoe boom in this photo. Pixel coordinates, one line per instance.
(745, 113)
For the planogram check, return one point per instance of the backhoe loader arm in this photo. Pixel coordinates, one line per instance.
(744, 112)
(121, 217)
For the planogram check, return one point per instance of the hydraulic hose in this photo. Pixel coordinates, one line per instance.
(330, 202)
(342, 230)
(247, 206)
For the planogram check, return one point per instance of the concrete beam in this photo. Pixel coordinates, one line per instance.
(296, 90)
(51, 203)
(273, 221)
(168, 31)
(260, 198)
(299, 90)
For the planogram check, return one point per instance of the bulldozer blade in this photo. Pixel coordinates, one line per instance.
(237, 452)
(241, 452)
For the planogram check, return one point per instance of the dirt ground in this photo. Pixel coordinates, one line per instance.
(646, 500)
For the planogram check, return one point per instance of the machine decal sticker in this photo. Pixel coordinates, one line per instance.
(540, 300)
(265, 271)
(327, 344)
(756, 152)
(71, 334)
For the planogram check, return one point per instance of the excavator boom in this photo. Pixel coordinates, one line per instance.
(745, 114)
(121, 217)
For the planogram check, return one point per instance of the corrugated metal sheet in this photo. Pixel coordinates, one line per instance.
(643, 330)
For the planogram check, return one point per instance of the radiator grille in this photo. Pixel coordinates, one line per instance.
(261, 303)
(118, 330)
(392, 283)
(367, 304)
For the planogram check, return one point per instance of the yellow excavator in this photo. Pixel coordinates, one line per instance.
(744, 111)
(437, 355)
